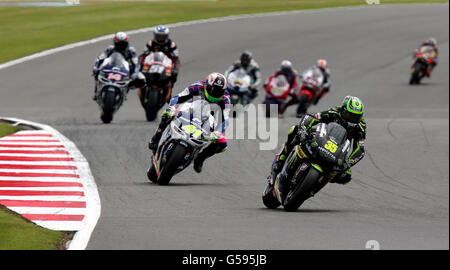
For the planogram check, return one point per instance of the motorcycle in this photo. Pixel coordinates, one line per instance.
(277, 90)
(423, 59)
(157, 69)
(112, 84)
(309, 167)
(187, 134)
(312, 83)
(238, 87)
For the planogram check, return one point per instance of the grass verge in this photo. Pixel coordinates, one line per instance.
(17, 233)
(33, 29)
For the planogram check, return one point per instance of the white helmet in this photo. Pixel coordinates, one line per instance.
(161, 33)
(286, 65)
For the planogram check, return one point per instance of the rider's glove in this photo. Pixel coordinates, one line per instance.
(302, 134)
(169, 112)
(215, 135)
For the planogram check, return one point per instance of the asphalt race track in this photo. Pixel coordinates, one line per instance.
(399, 195)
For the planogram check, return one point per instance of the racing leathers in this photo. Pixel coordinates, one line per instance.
(170, 49)
(219, 143)
(298, 133)
(253, 71)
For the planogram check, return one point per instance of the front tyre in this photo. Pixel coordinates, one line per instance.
(152, 106)
(108, 107)
(301, 191)
(171, 165)
(417, 74)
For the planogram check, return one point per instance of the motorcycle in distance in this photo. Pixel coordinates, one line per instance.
(312, 83)
(277, 90)
(187, 134)
(112, 85)
(238, 87)
(423, 58)
(309, 167)
(157, 69)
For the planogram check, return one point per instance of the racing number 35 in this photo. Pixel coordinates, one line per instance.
(331, 146)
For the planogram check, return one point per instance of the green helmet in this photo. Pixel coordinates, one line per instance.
(352, 109)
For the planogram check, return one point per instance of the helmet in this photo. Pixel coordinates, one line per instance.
(161, 34)
(216, 84)
(120, 41)
(431, 41)
(322, 64)
(286, 66)
(246, 58)
(352, 109)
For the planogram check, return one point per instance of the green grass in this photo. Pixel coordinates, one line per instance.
(6, 129)
(27, 30)
(17, 233)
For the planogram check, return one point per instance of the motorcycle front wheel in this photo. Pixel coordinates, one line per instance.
(171, 165)
(301, 191)
(108, 107)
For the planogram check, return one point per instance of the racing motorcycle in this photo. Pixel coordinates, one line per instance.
(309, 167)
(277, 90)
(238, 87)
(312, 83)
(187, 134)
(423, 59)
(157, 69)
(112, 84)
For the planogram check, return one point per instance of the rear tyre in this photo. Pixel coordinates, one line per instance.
(302, 191)
(269, 200)
(173, 162)
(108, 107)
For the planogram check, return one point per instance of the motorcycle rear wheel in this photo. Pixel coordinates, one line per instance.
(269, 200)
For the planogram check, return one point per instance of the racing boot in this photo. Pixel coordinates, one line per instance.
(342, 178)
(281, 185)
(153, 144)
(165, 120)
(203, 155)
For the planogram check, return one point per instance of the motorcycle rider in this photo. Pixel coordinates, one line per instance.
(291, 74)
(322, 66)
(213, 90)
(121, 45)
(247, 62)
(350, 115)
(162, 43)
(431, 42)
